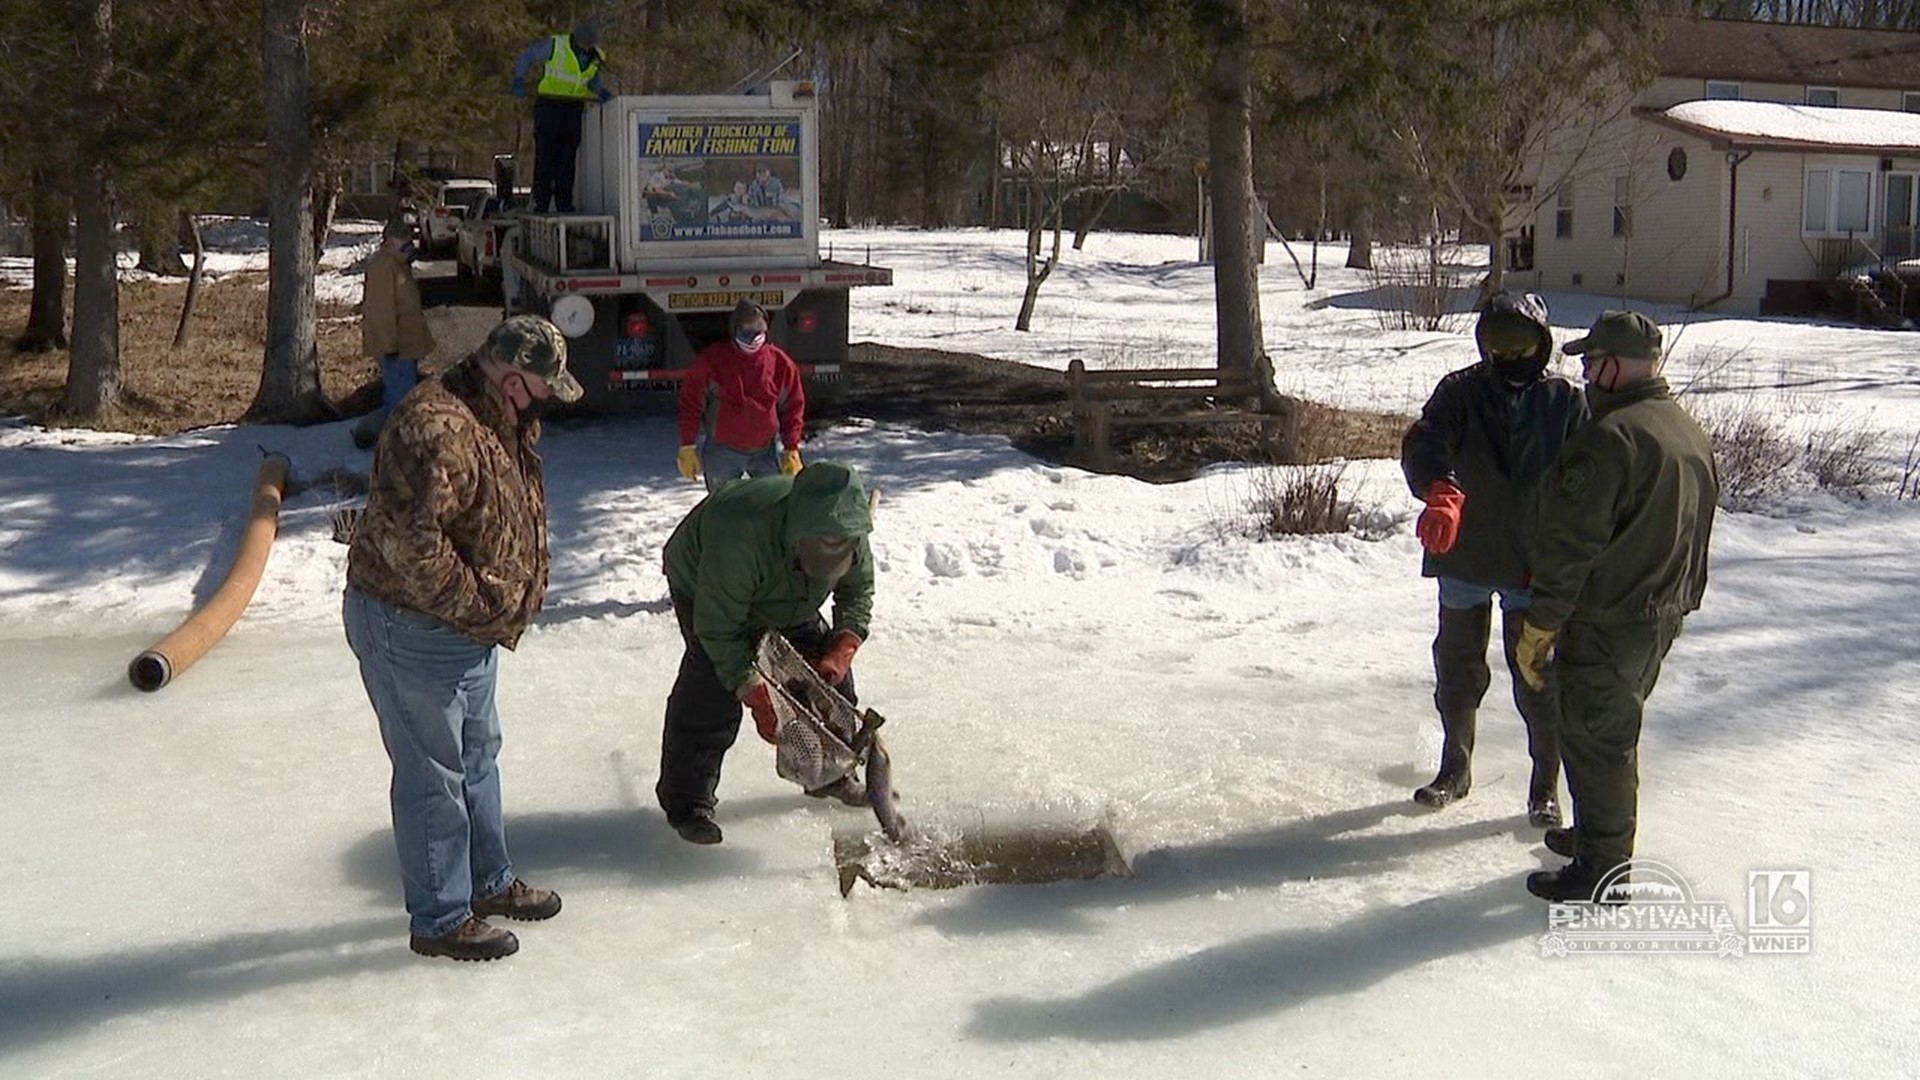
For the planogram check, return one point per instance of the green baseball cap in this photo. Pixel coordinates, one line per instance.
(1619, 333)
(537, 347)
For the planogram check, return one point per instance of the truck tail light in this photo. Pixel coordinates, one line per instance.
(637, 326)
(806, 322)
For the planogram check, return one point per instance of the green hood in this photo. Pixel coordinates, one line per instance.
(827, 500)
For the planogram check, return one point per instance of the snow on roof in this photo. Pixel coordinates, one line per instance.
(1798, 126)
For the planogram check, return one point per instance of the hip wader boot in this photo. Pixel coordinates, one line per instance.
(1540, 709)
(1460, 682)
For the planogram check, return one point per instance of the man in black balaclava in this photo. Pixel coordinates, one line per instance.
(1476, 457)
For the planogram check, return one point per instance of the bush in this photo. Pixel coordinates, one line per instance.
(1758, 459)
(1754, 457)
(1418, 289)
(1910, 473)
(1301, 502)
(1841, 460)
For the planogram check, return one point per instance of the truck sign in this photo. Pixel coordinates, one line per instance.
(721, 179)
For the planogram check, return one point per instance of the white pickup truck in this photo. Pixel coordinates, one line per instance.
(687, 206)
(479, 237)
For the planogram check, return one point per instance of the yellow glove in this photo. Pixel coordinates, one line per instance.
(689, 463)
(1533, 652)
(790, 462)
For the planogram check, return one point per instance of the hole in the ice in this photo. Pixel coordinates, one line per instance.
(1016, 855)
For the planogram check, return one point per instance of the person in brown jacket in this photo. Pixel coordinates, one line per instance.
(447, 563)
(393, 327)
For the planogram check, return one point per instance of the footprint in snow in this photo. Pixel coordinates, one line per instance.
(1068, 561)
(944, 560)
(1046, 527)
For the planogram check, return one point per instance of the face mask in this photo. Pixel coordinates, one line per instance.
(826, 558)
(1517, 370)
(535, 408)
(749, 340)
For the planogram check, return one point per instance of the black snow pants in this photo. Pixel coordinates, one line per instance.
(703, 717)
(1461, 680)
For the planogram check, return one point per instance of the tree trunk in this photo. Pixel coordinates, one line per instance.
(93, 371)
(47, 311)
(1236, 217)
(1092, 220)
(1360, 249)
(158, 235)
(190, 238)
(1038, 272)
(290, 378)
(326, 200)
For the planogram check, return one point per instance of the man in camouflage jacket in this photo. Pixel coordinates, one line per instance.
(448, 562)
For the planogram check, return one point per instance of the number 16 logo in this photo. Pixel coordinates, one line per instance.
(1779, 911)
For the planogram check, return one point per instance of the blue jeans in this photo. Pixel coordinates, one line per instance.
(397, 376)
(719, 464)
(1460, 595)
(432, 689)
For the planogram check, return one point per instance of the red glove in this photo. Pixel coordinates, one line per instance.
(760, 703)
(833, 664)
(1439, 524)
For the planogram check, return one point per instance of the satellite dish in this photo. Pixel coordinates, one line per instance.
(573, 315)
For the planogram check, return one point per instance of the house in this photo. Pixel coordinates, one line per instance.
(1762, 162)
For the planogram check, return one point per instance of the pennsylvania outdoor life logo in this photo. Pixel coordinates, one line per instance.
(1645, 906)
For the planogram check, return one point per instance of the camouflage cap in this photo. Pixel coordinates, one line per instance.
(1619, 333)
(537, 347)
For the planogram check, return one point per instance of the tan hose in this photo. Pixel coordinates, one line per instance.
(177, 652)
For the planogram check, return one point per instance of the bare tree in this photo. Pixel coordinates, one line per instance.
(290, 379)
(1227, 91)
(47, 310)
(93, 374)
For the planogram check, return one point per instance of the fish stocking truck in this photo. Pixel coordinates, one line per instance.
(687, 205)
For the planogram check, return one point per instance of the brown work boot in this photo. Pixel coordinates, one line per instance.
(473, 940)
(522, 901)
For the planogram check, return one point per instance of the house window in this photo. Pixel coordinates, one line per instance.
(1623, 206)
(1910, 101)
(1720, 90)
(1563, 213)
(1823, 95)
(1837, 201)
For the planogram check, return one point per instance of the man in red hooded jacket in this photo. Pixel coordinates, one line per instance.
(740, 404)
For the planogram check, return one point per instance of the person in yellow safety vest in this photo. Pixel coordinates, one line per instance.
(569, 77)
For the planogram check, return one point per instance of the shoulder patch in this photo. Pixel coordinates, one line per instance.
(1575, 474)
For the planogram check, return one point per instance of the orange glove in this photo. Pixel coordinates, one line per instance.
(1439, 524)
(760, 704)
(833, 664)
(689, 463)
(790, 462)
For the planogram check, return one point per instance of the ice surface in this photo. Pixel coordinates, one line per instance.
(204, 885)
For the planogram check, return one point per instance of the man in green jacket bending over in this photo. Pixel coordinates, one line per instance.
(759, 555)
(1620, 559)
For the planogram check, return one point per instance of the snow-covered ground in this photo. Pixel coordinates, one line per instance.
(207, 886)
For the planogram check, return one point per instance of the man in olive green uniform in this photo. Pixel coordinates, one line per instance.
(1621, 559)
(757, 556)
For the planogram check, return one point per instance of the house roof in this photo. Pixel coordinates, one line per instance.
(1782, 53)
(1771, 125)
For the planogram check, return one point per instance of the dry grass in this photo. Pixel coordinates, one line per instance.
(1301, 502)
(211, 381)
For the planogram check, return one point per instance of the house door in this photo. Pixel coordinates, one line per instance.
(1901, 216)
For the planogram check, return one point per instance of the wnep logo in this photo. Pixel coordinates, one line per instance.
(1780, 911)
(1641, 906)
